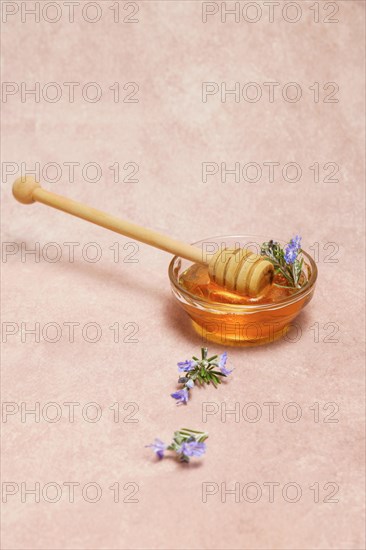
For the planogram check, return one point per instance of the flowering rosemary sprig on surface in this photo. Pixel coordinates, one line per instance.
(287, 261)
(200, 371)
(186, 444)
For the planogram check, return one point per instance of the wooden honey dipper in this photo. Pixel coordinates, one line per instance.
(237, 270)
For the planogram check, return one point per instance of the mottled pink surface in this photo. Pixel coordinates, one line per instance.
(169, 133)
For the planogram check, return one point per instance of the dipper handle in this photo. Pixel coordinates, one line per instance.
(238, 270)
(27, 190)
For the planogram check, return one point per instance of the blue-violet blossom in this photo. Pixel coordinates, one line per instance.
(158, 447)
(222, 363)
(292, 250)
(181, 395)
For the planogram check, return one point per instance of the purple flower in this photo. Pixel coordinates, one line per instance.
(292, 250)
(222, 363)
(158, 447)
(192, 448)
(223, 359)
(296, 241)
(181, 396)
(226, 371)
(290, 254)
(186, 366)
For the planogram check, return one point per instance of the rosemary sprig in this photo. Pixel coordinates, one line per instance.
(200, 372)
(287, 261)
(186, 443)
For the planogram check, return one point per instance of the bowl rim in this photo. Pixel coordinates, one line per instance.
(288, 300)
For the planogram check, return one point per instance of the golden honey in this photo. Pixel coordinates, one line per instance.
(231, 319)
(196, 280)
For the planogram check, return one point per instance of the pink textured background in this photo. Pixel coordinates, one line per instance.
(169, 133)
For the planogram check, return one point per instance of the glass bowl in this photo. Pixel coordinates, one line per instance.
(235, 324)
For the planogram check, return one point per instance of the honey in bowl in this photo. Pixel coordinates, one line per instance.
(229, 318)
(196, 280)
